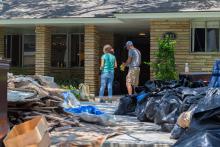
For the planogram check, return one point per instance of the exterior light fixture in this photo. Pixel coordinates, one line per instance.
(142, 34)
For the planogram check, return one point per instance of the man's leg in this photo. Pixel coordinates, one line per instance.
(129, 82)
(129, 88)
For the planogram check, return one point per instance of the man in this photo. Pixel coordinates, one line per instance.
(133, 62)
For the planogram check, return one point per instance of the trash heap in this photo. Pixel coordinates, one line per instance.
(189, 111)
(30, 96)
(162, 102)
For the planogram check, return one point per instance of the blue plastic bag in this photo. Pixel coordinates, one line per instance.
(215, 78)
(141, 96)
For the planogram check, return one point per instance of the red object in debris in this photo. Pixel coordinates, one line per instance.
(4, 67)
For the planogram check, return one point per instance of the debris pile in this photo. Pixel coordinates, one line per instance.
(29, 96)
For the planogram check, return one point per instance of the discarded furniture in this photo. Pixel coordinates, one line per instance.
(195, 76)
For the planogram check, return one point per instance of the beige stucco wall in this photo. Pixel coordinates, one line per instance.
(197, 61)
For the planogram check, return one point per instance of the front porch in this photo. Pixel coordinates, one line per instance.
(70, 51)
(73, 49)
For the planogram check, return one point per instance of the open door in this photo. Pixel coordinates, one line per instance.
(140, 42)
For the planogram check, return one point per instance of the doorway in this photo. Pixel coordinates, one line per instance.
(141, 42)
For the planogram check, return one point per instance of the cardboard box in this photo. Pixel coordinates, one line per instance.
(28, 133)
(45, 142)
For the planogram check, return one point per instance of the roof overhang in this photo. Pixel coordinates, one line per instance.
(115, 19)
(171, 15)
(54, 21)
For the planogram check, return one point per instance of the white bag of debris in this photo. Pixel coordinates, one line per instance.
(70, 100)
(92, 114)
(104, 119)
(84, 91)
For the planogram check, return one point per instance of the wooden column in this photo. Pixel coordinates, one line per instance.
(43, 50)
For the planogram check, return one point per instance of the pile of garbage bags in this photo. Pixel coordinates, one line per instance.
(161, 102)
(190, 111)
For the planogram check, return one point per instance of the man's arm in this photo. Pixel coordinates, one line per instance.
(128, 61)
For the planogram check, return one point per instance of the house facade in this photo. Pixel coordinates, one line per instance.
(65, 39)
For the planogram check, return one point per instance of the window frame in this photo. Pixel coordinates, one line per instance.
(20, 44)
(192, 32)
(69, 47)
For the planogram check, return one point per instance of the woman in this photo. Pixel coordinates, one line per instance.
(108, 63)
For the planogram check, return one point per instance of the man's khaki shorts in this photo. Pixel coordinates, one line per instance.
(133, 76)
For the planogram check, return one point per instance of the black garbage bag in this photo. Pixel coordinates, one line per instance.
(139, 111)
(197, 84)
(184, 81)
(188, 92)
(150, 109)
(153, 85)
(171, 117)
(190, 101)
(168, 105)
(177, 132)
(166, 127)
(204, 129)
(139, 89)
(126, 105)
(142, 99)
(171, 84)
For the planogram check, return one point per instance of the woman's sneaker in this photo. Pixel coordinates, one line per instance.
(101, 101)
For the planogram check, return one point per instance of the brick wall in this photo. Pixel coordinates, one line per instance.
(106, 38)
(197, 61)
(1, 42)
(92, 58)
(43, 50)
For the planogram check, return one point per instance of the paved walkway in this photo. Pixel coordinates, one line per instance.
(133, 132)
(130, 132)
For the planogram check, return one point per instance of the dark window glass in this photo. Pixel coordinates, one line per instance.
(199, 40)
(29, 51)
(82, 50)
(212, 40)
(77, 50)
(59, 52)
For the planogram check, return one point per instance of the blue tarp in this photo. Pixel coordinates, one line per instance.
(87, 109)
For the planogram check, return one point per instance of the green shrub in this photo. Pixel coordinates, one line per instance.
(164, 66)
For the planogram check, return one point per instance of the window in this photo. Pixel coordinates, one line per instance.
(13, 49)
(28, 50)
(205, 36)
(59, 51)
(77, 50)
(67, 50)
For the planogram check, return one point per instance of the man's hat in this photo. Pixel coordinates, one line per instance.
(128, 43)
